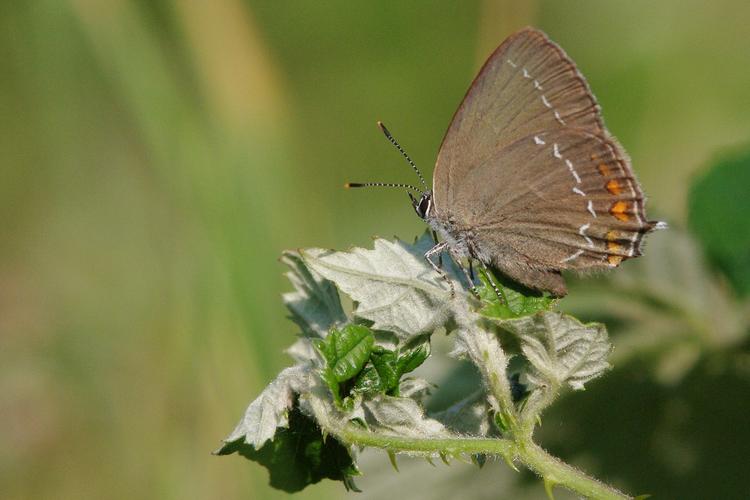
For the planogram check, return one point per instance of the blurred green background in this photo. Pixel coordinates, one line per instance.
(157, 156)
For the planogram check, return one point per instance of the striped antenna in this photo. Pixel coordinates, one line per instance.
(382, 184)
(403, 153)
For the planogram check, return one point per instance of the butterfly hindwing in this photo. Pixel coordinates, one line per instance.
(572, 203)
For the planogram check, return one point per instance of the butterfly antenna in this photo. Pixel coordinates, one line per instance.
(403, 153)
(382, 184)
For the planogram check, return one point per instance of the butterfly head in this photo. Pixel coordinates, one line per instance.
(423, 204)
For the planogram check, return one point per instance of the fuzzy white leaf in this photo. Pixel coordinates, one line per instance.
(561, 349)
(270, 410)
(415, 388)
(303, 351)
(315, 304)
(482, 347)
(317, 402)
(470, 416)
(401, 417)
(392, 284)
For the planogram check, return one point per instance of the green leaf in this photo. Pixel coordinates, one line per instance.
(333, 385)
(380, 375)
(384, 363)
(413, 354)
(718, 205)
(385, 369)
(501, 420)
(516, 300)
(299, 455)
(348, 351)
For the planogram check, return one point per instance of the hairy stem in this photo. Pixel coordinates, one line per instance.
(353, 434)
(553, 470)
(536, 403)
(556, 471)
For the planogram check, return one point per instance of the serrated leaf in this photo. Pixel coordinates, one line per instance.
(470, 416)
(380, 375)
(401, 416)
(415, 388)
(516, 301)
(413, 354)
(561, 349)
(326, 349)
(482, 346)
(299, 455)
(368, 382)
(334, 387)
(348, 350)
(385, 368)
(392, 284)
(269, 410)
(315, 303)
(385, 364)
(346, 353)
(302, 350)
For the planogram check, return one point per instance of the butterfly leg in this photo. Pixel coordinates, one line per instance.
(436, 250)
(440, 255)
(488, 273)
(468, 275)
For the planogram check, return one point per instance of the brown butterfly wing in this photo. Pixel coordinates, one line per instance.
(571, 203)
(529, 174)
(528, 85)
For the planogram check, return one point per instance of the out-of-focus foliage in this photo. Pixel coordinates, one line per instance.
(158, 156)
(719, 205)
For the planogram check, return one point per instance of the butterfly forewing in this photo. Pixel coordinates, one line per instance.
(527, 86)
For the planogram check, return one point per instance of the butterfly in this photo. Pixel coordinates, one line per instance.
(528, 180)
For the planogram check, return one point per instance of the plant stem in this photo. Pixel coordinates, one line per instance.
(552, 469)
(354, 434)
(556, 471)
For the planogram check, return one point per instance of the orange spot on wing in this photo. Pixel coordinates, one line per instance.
(604, 169)
(614, 187)
(619, 209)
(613, 247)
(614, 260)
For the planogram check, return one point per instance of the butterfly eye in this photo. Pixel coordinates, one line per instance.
(425, 205)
